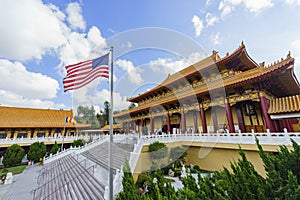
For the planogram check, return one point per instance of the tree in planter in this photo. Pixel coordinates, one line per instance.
(78, 143)
(129, 189)
(13, 155)
(37, 150)
(55, 148)
(158, 151)
(177, 156)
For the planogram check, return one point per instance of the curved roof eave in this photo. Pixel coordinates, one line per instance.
(204, 64)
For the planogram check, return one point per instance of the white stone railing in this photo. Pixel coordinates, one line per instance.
(135, 154)
(118, 187)
(234, 138)
(75, 150)
(23, 141)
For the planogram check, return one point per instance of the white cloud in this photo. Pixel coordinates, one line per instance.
(133, 73)
(29, 30)
(198, 25)
(12, 99)
(32, 30)
(292, 1)
(295, 53)
(120, 102)
(80, 47)
(16, 79)
(168, 66)
(211, 19)
(97, 99)
(22, 88)
(75, 17)
(208, 2)
(215, 38)
(254, 6)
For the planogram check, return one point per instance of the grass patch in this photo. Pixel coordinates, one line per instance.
(14, 170)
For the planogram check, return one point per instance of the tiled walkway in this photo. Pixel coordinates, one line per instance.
(21, 186)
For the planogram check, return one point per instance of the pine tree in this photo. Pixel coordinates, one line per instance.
(129, 189)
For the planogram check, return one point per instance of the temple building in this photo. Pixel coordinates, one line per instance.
(228, 94)
(31, 123)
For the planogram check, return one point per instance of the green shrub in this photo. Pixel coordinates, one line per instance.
(78, 143)
(55, 148)
(158, 150)
(13, 155)
(37, 150)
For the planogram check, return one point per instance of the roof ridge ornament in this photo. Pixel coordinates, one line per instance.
(215, 55)
(242, 44)
(262, 64)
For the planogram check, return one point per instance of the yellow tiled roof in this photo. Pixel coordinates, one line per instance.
(13, 117)
(106, 127)
(288, 104)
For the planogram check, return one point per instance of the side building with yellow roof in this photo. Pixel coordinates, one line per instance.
(26, 124)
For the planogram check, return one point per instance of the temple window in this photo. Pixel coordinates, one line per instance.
(40, 134)
(22, 135)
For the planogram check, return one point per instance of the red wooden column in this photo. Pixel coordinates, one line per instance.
(123, 127)
(264, 108)
(289, 125)
(168, 123)
(134, 126)
(195, 122)
(143, 124)
(151, 124)
(128, 127)
(203, 119)
(183, 128)
(240, 118)
(214, 119)
(229, 116)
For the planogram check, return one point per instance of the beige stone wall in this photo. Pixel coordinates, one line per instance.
(212, 159)
(209, 156)
(189, 119)
(157, 122)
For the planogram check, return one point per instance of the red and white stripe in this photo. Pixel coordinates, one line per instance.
(81, 74)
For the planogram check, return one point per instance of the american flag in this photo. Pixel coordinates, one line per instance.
(82, 73)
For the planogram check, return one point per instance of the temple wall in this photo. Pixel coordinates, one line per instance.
(158, 123)
(221, 115)
(209, 156)
(189, 118)
(212, 159)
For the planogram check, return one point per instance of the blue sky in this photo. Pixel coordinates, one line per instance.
(151, 40)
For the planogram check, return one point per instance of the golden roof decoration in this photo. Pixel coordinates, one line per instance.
(206, 64)
(107, 127)
(288, 104)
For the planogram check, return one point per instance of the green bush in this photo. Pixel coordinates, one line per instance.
(13, 155)
(55, 148)
(78, 143)
(158, 150)
(37, 150)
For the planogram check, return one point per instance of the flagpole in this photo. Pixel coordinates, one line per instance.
(111, 132)
(62, 144)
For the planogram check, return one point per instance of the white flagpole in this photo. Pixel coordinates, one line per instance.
(111, 131)
(62, 144)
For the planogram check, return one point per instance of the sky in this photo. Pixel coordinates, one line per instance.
(150, 40)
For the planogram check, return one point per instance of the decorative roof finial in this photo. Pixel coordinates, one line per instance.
(262, 64)
(242, 45)
(289, 54)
